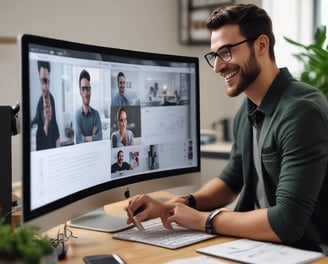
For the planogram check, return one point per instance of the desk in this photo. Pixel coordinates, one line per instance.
(92, 242)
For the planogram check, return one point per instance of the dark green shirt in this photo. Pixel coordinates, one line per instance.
(294, 158)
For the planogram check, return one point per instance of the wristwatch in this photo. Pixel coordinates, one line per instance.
(208, 224)
(191, 201)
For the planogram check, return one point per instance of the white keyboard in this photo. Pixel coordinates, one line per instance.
(157, 235)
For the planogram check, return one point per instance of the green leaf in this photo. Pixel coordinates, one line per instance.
(314, 58)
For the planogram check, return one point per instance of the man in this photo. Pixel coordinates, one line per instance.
(120, 165)
(47, 135)
(120, 99)
(88, 124)
(278, 163)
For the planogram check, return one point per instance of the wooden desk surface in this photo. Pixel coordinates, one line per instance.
(93, 242)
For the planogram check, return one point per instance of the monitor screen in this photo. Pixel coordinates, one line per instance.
(99, 120)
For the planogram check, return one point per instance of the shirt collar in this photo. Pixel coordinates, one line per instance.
(89, 111)
(271, 98)
(273, 95)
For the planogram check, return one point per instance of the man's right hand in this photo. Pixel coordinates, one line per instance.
(143, 207)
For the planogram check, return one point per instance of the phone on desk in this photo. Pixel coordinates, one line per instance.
(104, 259)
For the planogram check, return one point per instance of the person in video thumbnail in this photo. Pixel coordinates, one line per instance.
(120, 164)
(277, 171)
(122, 137)
(88, 124)
(47, 134)
(120, 99)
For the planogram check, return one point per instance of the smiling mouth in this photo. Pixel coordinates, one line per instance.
(230, 75)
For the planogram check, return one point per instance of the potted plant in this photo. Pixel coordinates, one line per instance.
(315, 60)
(23, 245)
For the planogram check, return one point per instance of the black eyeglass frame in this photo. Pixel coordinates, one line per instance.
(60, 243)
(85, 88)
(228, 48)
(45, 81)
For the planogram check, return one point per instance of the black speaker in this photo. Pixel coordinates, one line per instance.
(8, 128)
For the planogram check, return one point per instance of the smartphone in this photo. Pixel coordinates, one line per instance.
(104, 259)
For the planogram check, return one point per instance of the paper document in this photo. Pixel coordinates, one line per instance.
(256, 252)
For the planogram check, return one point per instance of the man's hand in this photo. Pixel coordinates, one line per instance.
(143, 207)
(185, 216)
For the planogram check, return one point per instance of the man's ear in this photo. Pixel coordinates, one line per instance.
(261, 45)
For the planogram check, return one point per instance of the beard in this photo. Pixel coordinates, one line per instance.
(248, 74)
(86, 100)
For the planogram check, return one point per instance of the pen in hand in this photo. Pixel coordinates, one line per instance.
(135, 220)
(138, 224)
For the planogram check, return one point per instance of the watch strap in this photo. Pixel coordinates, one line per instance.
(210, 217)
(191, 201)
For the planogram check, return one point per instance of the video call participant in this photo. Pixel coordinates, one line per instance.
(122, 137)
(120, 164)
(88, 124)
(47, 134)
(120, 99)
(279, 160)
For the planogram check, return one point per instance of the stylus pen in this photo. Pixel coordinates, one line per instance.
(138, 224)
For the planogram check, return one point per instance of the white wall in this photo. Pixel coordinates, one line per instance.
(297, 26)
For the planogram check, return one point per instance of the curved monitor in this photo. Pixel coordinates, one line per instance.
(99, 120)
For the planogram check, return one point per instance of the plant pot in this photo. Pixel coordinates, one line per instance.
(11, 261)
(51, 258)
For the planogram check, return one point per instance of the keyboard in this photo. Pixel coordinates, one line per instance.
(157, 235)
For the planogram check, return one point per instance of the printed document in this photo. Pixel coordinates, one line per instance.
(256, 252)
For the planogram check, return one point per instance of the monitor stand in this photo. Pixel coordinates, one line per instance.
(99, 220)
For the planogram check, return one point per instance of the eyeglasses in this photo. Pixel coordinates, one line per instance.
(86, 88)
(64, 236)
(44, 81)
(122, 120)
(224, 53)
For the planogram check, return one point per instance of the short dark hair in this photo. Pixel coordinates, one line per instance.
(84, 75)
(44, 64)
(120, 74)
(252, 20)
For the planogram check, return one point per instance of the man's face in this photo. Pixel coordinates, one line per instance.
(121, 85)
(85, 91)
(241, 71)
(120, 158)
(44, 81)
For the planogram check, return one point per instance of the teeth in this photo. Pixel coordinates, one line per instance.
(228, 76)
